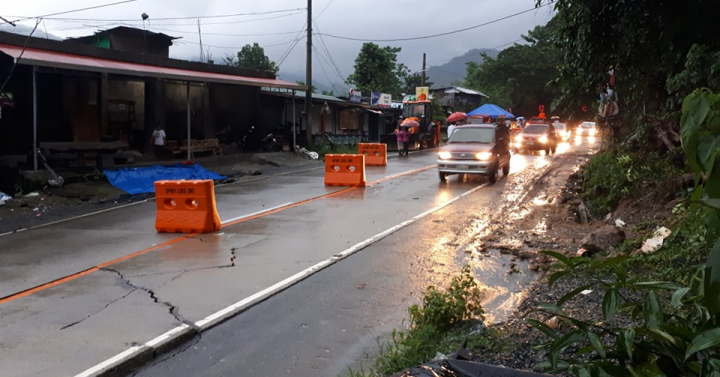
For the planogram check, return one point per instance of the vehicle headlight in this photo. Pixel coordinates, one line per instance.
(483, 156)
(519, 138)
(543, 139)
(593, 131)
(444, 155)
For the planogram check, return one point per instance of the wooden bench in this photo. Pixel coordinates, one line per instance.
(211, 146)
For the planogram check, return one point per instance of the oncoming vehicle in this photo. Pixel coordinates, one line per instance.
(562, 130)
(536, 137)
(476, 149)
(587, 128)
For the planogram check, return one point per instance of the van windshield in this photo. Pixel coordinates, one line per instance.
(536, 129)
(472, 135)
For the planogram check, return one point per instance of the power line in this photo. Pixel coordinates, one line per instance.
(232, 47)
(323, 69)
(164, 18)
(323, 10)
(76, 21)
(8, 21)
(15, 63)
(296, 40)
(227, 35)
(78, 10)
(327, 51)
(436, 35)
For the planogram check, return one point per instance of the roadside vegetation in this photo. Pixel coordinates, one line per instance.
(440, 324)
(659, 312)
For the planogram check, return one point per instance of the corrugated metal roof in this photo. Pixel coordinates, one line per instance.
(44, 58)
(458, 89)
(301, 94)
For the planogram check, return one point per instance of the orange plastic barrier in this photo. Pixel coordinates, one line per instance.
(375, 153)
(186, 207)
(345, 170)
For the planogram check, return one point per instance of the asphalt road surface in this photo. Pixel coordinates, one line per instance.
(332, 320)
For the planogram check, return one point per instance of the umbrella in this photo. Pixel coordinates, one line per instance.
(410, 123)
(492, 111)
(454, 117)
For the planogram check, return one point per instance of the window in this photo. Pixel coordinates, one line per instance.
(472, 135)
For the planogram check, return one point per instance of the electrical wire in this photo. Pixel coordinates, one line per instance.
(224, 34)
(162, 18)
(15, 63)
(323, 10)
(327, 51)
(436, 35)
(75, 21)
(323, 69)
(77, 10)
(297, 39)
(231, 47)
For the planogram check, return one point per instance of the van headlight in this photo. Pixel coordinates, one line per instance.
(484, 156)
(543, 139)
(444, 155)
(519, 138)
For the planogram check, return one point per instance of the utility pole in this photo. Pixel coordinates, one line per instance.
(423, 70)
(308, 77)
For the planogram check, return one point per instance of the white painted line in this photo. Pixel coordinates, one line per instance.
(75, 217)
(111, 361)
(244, 304)
(257, 213)
(166, 336)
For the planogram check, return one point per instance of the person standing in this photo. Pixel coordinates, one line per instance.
(402, 140)
(158, 141)
(450, 129)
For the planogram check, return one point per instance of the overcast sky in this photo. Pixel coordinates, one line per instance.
(363, 19)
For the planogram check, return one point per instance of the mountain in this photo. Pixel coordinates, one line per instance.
(320, 83)
(25, 30)
(454, 70)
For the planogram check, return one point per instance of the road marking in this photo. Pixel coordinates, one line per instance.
(74, 217)
(258, 297)
(244, 217)
(225, 224)
(109, 362)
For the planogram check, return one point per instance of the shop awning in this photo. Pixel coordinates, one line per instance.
(44, 58)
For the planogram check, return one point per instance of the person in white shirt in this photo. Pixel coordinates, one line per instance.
(450, 129)
(158, 141)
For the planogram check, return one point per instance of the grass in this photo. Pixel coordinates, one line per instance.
(445, 318)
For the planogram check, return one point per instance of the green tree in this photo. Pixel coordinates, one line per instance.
(253, 57)
(377, 70)
(313, 88)
(415, 80)
(518, 78)
(646, 43)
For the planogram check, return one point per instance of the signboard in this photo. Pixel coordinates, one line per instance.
(380, 99)
(355, 96)
(422, 93)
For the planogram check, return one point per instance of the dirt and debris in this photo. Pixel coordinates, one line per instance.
(556, 219)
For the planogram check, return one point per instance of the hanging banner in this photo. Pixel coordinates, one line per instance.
(422, 93)
(355, 96)
(380, 99)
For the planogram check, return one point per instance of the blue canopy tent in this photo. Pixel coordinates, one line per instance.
(492, 111)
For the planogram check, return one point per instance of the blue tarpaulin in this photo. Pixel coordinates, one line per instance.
(490, 110)
(141, 180)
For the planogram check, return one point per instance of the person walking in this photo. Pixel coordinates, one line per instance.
(450, 129)
(403, 140)
(158, 141)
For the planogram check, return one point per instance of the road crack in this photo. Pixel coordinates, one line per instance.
(98, 311)
(172, 309)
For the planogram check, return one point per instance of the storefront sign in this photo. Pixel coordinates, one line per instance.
(380, 99)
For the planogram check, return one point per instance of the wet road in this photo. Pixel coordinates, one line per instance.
(77, 293)
(331, 321)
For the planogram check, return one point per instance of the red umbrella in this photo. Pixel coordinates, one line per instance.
(410, 123)
(454, 117)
